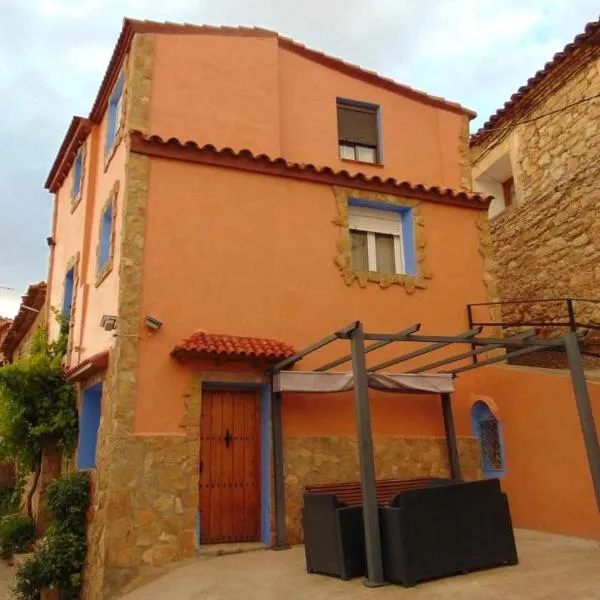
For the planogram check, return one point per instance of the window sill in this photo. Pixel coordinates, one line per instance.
(113, 149)
(362, 162)
(75, 202)
(104, 272)
(409, 282)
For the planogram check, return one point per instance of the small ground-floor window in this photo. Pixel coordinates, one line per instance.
(89, 421)
(489, 431)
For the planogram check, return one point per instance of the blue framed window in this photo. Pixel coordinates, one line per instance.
(106, 225)
(488, 430)
(77, 174)
(68, 293)
(89, 421)
(114, 111)
(381, 237)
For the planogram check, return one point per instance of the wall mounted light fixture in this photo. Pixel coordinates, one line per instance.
(152, 323)
(108, 322)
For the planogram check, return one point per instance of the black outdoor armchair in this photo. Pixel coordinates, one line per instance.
(334, 540)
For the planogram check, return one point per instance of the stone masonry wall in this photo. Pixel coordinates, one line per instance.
(313, 460)
(548, 244)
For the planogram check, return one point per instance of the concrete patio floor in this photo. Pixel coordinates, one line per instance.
(551, 567)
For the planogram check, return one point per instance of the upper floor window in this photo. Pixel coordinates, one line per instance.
(509, 193)
(77, 175)
(115, 114)
(68, 293)
(105, 237)
(358, 131)
(376, 240)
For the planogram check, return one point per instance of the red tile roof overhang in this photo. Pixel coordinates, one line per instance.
(87, 368)
(31, 305)
(590, 38)
(76, 134)
(211, 345)
(247, 161)
(132, 26)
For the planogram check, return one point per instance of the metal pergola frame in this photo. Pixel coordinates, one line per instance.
(354, 332)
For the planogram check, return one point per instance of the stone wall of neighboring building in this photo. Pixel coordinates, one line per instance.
(547, 243)
(23, 348)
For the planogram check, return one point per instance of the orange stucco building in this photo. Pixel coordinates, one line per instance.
(231, 182)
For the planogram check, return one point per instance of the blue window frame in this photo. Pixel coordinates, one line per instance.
(68, 292)
(114, 113)
(488, 430)
(77, 175)
(407, 229)
(89, 421)
(105, 236)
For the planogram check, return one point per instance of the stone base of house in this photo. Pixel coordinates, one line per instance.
(145, 494)
(143, 513)
(314, 460)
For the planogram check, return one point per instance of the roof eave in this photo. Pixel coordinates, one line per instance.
(589, 37)
(247, 161)
(372, 77)
(76, 134)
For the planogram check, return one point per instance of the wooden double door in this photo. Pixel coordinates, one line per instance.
(229, 483)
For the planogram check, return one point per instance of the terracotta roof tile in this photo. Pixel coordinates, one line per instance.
(31, 304)
(590, 35)
(212, 344)
(88, 367)
(246, 159)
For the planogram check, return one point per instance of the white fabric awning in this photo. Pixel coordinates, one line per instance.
(318, 382)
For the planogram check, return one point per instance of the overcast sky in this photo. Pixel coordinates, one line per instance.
(53, 54)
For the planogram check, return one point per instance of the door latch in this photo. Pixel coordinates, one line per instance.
(228, 438)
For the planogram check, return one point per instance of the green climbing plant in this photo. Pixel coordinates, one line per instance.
(37, 403)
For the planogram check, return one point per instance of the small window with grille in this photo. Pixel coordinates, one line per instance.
(358, 131)
(488, 430)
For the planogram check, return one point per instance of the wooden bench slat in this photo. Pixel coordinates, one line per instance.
(350, 492)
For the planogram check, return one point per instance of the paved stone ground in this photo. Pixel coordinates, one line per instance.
(6, 574)
(551, 567)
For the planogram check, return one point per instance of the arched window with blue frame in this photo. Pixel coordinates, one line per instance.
(488, 430)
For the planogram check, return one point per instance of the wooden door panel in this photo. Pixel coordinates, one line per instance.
(214, 464)
(229, 482)
(250, 468)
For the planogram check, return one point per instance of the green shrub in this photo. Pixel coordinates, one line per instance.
(17, 534)
(59, 562)
(7, 504)
(30, 579)
(67, 500)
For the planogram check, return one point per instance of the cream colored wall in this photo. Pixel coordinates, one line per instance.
(103, 299)
(79, 233)
(68, 239)
(486, 183)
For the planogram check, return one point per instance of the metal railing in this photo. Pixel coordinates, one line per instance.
(570, 315)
